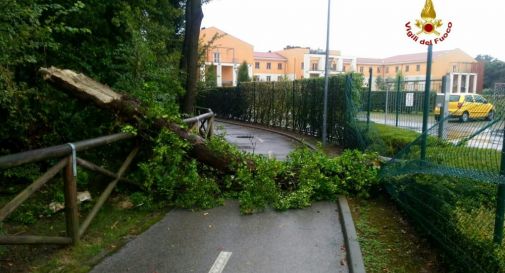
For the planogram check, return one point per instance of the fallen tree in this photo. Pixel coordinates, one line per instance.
(131, 110)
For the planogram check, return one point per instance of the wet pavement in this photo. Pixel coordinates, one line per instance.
(257, 141)
(221, 240)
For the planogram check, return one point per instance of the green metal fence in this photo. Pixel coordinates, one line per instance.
(293, 105)
(455, 193)
(399, 103)
(448, 179)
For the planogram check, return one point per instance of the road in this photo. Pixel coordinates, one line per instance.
(257, 141)
(456, 131)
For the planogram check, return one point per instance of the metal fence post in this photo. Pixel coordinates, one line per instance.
(254, 103)
(424, 136)
(369, 103)
(293, 106)
(386, 107)
(444, 111)
(500, 201)
(397, 104)
(71, 210)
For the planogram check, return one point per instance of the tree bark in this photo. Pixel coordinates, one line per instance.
(189, 61)
(84, 88)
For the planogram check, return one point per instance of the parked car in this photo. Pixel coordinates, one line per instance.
(468, 106)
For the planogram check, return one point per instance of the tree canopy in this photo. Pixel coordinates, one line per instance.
(494, 70)
(133, 46)
(243, 73)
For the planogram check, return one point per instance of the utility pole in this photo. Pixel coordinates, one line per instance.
(326, 77)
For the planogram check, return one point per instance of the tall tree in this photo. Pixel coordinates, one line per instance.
(380, 84)
(243, 73)
(211, 77)
(189, 62)
(494, 70)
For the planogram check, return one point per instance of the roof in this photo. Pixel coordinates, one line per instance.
(414, 58)
(369, 61)
(205, 29)
(405, 58)
(269, 56)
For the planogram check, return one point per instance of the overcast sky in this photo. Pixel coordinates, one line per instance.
(361, 28)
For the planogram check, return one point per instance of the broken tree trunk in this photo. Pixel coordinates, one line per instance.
(87, 89)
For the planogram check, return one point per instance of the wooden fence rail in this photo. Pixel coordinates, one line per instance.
(202, 124)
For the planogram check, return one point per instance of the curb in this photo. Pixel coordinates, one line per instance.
(311, 146)
(354, 256)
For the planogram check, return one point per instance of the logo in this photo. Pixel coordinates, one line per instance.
(428, 30)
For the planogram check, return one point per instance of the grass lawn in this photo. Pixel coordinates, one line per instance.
(388, 242)
(111, 229)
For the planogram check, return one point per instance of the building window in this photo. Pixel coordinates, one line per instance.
(343, 68)
(378, 69)
(269, 65)
(314, 66)
(454, 68)
(397, 69)
(334, 66)
(302, 65)
(279, 78)
(407, 68)
(387, 69)
(217, 57)
(256, 78)
(361, 69)
(418, 67)
(257, 65)
(279, 66)
(269, 78)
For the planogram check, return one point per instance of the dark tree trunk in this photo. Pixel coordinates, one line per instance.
(189, 62)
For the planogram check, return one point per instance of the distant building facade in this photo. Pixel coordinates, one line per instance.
(465, 73)
(226, 52)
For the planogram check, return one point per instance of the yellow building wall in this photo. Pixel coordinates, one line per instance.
(443, 64)
(227, 45)
(274, 67)
(295, 58)
(227, 75)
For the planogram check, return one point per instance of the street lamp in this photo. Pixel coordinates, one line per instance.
(326, 77)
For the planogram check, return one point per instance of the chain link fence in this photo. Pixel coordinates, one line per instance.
(449, 179)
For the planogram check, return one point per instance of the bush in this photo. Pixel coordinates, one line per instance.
(304, 177)
(458, 214)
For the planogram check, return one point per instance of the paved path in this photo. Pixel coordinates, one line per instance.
(298, 241)
(221, 240)
(257, 141)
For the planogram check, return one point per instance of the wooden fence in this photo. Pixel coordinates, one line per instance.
(202, 124)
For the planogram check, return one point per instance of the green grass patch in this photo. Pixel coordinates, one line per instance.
(112, 228)
(388, 242)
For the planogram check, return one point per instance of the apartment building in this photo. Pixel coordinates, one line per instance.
(466, 74)
(225, 53)
(269, 66)
(304, 62)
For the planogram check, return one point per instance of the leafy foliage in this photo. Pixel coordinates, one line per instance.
(457, 214)
(494, 70)
(304, 177)
(131, 46)
(171, 179)
(243, 73)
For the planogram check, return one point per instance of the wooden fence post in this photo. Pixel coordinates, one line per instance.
(71, 209)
